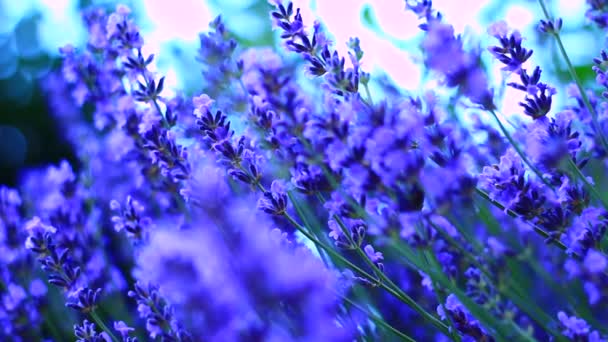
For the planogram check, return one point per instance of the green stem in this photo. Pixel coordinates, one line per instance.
(316, 229)
(441, 299)
(392, 289)
(384, 279)
(460, 248)
(103, 326)
(589, 186)
(513, 214)
(378, 320)
(156, 105)
(368, 94)
(325, 247)
(576, 80)
(519, 151)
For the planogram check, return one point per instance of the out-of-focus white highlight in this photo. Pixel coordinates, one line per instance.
(461, 13)
(176, 21)
(180, 22)
(344, 21)
(519, 17)
(573, 12)
(59, 13)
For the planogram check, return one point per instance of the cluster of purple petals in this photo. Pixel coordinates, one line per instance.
(268, 207)
(234, 280)
(597, 12)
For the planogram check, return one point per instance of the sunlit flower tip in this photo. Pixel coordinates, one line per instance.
(573, 326)
(278, 186)
(202, 104)
(114, 205)
(335, 230)
(67, 49)
(498, 29)
(123, 9)
(35, 226)
(123, 329)
(87, 333)
(372, 254)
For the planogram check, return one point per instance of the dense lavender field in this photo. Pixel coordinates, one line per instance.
(297, 197)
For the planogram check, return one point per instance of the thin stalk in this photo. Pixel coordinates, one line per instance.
(511, 213)
(103, 326)
(589, 186)
(384, 279)
(519, 151)
(155, 102)
(504, 288)
(441, 299)
(328, 249)
(378, 320)
(461, 249)
(316, 231)
(536, 228)
(392, 289)
(576, 80)
(368, 94)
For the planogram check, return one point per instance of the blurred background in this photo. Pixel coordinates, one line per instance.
(31, 31)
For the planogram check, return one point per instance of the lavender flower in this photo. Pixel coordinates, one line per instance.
(508, 184)
(424, 10)
(242, 306)
(463, 320)
(601, 77)
(510, 52)
(242, 162)
(316, 50)
(410, 218)
(87, 333)
(216, 54)
(274, 202)
(538, 100)
(85, 300)
(445, 54)
(597, 12)
(587, 230)
(356, 228)
(124, 330)
(131, 218)
(553, 141)
(577, 329)
(551, 26)
(157, 314)
(61, 269)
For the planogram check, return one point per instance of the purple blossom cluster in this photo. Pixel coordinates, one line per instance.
(298, 197)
